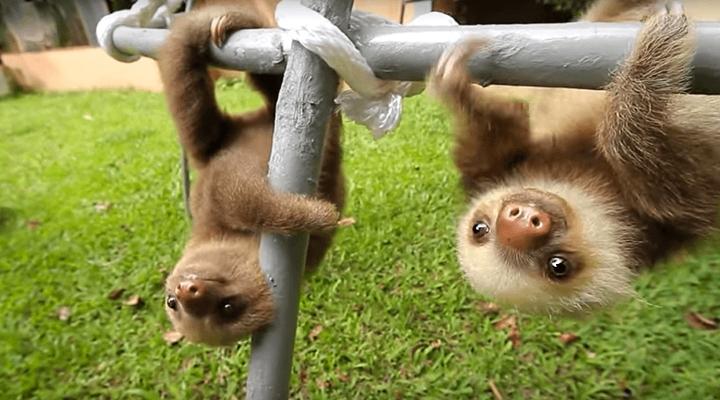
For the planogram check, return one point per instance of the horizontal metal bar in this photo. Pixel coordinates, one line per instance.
(579, 54)
(254, 50)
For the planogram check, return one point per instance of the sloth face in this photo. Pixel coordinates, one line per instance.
(542, 252)
(217, 296)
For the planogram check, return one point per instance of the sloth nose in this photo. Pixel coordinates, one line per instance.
(522, 227)
(189, 290)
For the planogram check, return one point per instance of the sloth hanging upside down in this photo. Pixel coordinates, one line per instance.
(560, 223)
(217, 293)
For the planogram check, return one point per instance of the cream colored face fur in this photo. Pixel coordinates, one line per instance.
(597, 232)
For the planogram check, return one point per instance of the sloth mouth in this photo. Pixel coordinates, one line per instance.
(516, 258)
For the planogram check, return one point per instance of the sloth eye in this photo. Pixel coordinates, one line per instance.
(558, 266)
(480, 229)
(171, 302)
(228, 309)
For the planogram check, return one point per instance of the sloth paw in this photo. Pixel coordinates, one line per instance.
(323, 216)
(450, 76)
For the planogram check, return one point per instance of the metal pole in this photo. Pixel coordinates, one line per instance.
(303, 110)
(576, 55)
(185, 172)
(579, 54)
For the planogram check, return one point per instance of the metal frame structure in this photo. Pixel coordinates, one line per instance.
(303, 111)
(577, 54)
(580, 55)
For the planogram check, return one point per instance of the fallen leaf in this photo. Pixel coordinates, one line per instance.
(514, 337)
(315, 332)
(509, 322)
(303, 376)
(322, 384)
(488, 308)
(568, 337)
(32, 224)
(627, 393)
(436, 344)
(134, 301)
(87, 117)
(186, 363)
(506, 322)
(343, 377)
(172, 337)
(699, 321)
(116, 293)
(102, 206)
(63, 313)
(527, 358)
(496, 393)
(221, 377)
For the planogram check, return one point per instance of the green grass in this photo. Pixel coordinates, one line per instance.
(398, 318)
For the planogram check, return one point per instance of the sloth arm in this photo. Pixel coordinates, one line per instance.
(492, 133)
(665, 173)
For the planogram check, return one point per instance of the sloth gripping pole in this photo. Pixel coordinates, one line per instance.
(304, 106)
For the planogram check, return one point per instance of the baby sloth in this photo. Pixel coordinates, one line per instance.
(560, 223)
(217, 293)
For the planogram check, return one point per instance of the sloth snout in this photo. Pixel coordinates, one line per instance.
(522, 226)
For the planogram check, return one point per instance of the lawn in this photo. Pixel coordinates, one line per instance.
(90, 202)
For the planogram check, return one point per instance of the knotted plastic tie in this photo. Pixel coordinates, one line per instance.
(144, 13)
(372, 102)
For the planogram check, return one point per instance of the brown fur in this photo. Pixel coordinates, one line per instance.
(231, 201)
(620, 10)
(637, 177)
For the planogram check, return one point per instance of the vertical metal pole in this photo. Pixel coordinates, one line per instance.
(185, 172)
(184, 167)
(303, 109)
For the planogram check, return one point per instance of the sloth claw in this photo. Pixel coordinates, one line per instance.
(217, 32)
(346, 221)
